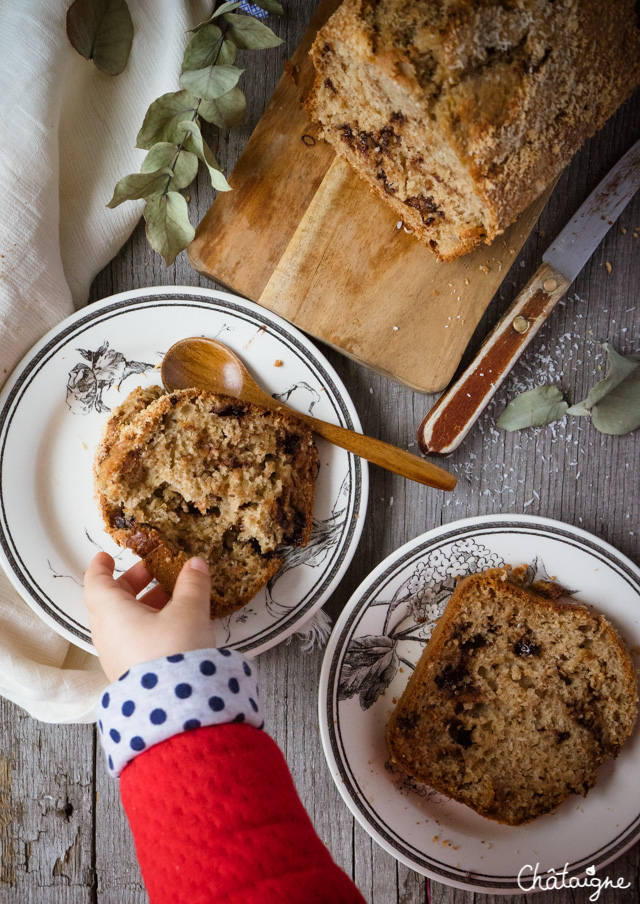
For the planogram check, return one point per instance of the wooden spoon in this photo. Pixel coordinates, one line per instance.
(206, 364)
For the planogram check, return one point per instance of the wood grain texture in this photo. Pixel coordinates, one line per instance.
(297, 214)
(569, 472)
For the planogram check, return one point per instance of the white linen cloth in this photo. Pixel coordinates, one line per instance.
(68, 135)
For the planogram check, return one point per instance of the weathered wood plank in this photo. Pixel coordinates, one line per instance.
(118, 877)
(46, 810)
(44, 768)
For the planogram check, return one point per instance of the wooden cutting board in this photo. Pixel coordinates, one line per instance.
(304, 236)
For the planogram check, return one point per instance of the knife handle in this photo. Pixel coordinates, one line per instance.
(456, 411)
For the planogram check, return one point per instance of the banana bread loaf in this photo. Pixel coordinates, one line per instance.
(461, 112)
(192, 473)
(517, 699)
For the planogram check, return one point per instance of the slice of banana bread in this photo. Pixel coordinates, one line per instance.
(519, 696)
(460, 114)
(192, 473)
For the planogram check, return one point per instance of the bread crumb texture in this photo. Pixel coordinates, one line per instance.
(518, 698)
(460, 113)
(192, 473)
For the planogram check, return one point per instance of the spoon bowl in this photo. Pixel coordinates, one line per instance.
(207, 364)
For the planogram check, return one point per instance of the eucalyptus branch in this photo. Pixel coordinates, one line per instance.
(194, 117)
(171, 130)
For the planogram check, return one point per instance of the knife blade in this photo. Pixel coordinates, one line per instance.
(456, 411)
(586, 229)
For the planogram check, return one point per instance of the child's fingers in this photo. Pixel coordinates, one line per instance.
(102, 563)
(101, 592)
(156, 598)
(135, 579)
(98, 578)
(192, 593)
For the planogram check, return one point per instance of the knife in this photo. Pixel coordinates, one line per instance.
(456, 411)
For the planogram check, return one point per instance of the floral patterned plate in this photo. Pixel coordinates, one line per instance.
(372, 651)
(51, 414)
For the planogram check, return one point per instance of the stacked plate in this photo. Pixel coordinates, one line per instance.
(52, 411)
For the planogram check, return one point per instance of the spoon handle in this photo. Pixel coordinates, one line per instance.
(383, 454)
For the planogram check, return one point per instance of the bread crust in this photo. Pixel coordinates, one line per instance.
(493, 796)
(239, 570)
(460, 114)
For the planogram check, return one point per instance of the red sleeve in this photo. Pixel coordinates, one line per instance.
(216, 818)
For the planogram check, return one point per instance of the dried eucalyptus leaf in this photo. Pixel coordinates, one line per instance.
(271, 6)
(163, 154)
(140, 185)
(102, 31)
(249, 33)
(225, 8)
(533, 408)
(227, 112)
(578, 410)
(619, 367)
(167, 225)
(614, 403)
(227, 52)
(619, 412)
(211, 82)
(163, 117)
(203, 49)
(196, 143)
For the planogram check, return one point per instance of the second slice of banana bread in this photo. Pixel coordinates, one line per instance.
(517, 700)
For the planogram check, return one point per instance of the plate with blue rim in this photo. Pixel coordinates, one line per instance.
(372, 651)
(52, 412)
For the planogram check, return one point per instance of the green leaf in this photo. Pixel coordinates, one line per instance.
(102, 31)
(208, 48)
(140, 185)
(271, 6)
(196, 143)
(167, 224)
(533, 408)
(163, 154)
(225, 8)
(614, 403)
(578, 409)
(211, 82)
(618, 369)
(250, 34)
(163, 117)
(227, 112)
(227, 52)
(203, 49)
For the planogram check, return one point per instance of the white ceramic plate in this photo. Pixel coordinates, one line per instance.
(375, 645)
(51, 413)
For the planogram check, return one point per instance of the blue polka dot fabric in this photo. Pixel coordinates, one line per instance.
(155, 700)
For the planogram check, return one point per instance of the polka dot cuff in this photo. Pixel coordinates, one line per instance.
(155, 700)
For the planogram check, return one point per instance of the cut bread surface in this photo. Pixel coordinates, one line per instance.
(519, 697)
(460, 114)
(192, 473)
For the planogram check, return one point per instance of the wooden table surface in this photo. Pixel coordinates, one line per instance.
(64, 838)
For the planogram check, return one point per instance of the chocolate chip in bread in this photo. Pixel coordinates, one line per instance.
(192, 473)
(460, 114)
(519, 697)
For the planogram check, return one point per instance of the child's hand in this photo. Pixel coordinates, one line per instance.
(127, 631)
